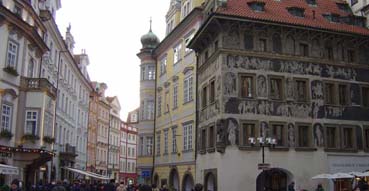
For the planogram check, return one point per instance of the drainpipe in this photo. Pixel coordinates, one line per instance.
(196, 108)
(154, 135)
(107, 156)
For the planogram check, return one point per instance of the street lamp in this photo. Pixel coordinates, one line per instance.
(263, 142)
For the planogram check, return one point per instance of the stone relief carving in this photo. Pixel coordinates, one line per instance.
(333, 111)
(291, 134)
(230, 84)
(293, 67)
(221, 135)
(232, 128)
(318, 135)
(262, 86)
(227, 132)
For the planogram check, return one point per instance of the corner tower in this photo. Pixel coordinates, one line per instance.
(145, 124)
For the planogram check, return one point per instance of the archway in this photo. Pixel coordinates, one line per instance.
(210, 182)
(273, 180)
(187, 183)
(174, 179)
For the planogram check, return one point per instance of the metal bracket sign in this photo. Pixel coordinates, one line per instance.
(264, 166)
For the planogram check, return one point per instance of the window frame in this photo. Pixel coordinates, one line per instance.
(175, 96)
(353, 137)
(16, 54)
(253, 85)
(243, 142)
(157, 142)
(284, 133)
(334, 95)
(212, 91)
(204, 96)
(37, 121)
(362, 96)
(347, 94)
(177, 53)
(336, 136)
(166, 141)
(366, 138)
(188, 97)
(163, 65)
(307, 90)
(210, 147)
(174, 140)
(187, 137)
(309, 138)
(263, 44)
(10, 116)
(282, 85)
(304, 49)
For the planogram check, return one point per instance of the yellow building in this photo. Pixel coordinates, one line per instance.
(175, 124)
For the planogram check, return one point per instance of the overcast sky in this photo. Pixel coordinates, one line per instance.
(110, 31)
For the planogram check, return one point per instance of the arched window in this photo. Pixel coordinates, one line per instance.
(277, 43)
(290, 45)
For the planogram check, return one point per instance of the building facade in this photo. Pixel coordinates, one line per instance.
(114, 137)
(360, 8)
(300, 81)
(92, 132)
(27, 99)
(175, 123)
(128, 154)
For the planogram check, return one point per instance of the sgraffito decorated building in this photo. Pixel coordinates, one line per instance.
(294, 71)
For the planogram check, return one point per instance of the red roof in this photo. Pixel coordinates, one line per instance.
(276, 11)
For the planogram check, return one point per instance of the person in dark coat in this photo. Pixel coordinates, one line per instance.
(291, 186)
(198, 187)
(14, 186)
(110, 186)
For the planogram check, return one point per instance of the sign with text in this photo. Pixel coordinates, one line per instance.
(145, 173)
(348, 163)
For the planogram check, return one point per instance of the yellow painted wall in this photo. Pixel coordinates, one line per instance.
(163, 173)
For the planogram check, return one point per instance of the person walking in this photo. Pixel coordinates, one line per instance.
(58, 187)
(14, 186)
(154, 187)
(121, 187)
(110, 186)
(198, 187)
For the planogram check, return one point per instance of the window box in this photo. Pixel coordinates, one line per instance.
(6, 134)
(48, 140)
(30, 137)
(11, 70)
(210, 150)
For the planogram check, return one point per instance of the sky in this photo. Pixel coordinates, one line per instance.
(110, 33)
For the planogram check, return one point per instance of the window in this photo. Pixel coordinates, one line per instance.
(343, 94)
(263, 45)
(276, 89)
(277, 43)
(158, 143)
(301, 90)
(177, 53)
(151, 71)
(329, 52)
(304, 49)
(31, 122)
(12, 54)
(31, 66)
(248, 41)
(248, 130)
(348, 138)
(175, 96)
(18, 11)
(166, 102)
(163, 65)
(329, 93)
(6, 117)
(278, 132)
(141, 144)
(212, 92)
(204, 96)
(159, 104)
(187, 137)
(150, 110)
(304, 135)
(351, 56)
(257, 6)
(165, 141)
(187, 89)
(174, 140)
(187, 41)
(365, 96)
(203, 139)
(311, 2)
(149, 146)
(247, 86)
(366, 137)
(296, 11)
(332, 135)
(211, 143)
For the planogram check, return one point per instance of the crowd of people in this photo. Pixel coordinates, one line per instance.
(81, 185)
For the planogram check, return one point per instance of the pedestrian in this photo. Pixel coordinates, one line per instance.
(58, 187)
(164, 188)
(14, 186)
(155, 187)
(110, 186)
(291, 186)
(319, 187)
(121, 187)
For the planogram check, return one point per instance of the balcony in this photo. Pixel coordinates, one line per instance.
(38, 84)
(68, 152)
